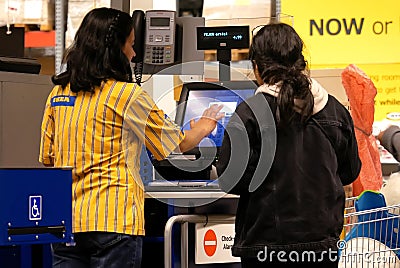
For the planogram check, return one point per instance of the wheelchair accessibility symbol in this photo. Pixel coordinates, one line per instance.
(35, 207)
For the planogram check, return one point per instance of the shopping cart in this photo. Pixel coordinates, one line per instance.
(370, 235)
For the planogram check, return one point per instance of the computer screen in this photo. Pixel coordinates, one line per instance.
(197, 96)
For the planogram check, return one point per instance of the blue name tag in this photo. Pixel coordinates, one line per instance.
(63, 100)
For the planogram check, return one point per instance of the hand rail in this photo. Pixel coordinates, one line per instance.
(184, 220)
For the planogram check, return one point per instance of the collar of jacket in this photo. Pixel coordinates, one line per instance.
(319, 93)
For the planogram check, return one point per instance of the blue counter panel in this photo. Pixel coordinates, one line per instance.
(35, 206)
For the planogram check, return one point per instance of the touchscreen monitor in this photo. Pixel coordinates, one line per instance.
(197, 96)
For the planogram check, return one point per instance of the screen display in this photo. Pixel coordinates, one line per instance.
(159, 22)
(199, 100)
(224, 37)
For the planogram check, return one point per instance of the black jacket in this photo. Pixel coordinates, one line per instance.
(391, 141)
(298, 201)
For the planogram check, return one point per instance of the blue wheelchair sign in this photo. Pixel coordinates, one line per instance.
(35, 207)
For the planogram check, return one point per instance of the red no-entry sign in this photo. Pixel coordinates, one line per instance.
(210, 243)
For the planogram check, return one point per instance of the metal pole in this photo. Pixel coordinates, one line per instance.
(184, 245)
(122, 5)
(190, 218)
(60, 34)
(273, 14)
(278, 8)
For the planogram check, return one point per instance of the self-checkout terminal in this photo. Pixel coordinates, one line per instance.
(184, 185)
(196, 164)
(195, 167)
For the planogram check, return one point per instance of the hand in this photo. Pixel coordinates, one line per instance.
(208, 121)
(379, 127)
(202, 127)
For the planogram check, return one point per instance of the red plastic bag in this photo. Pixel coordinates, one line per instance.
(361, 92)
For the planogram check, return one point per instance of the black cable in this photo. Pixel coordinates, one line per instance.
(138, 71)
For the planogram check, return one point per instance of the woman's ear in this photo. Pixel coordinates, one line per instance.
(255, 66)
(257, 74)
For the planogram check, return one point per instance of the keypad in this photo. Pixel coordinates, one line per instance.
(158, 55)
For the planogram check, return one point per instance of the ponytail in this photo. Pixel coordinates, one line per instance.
(276, 49)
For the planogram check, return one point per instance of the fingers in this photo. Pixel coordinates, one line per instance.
(210, 117)
(219, 116)
(213, 112)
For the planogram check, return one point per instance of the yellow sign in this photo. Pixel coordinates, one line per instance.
(344, 32)
(365, 33)
(386, 78)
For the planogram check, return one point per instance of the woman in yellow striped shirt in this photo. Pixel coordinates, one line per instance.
(95, 117)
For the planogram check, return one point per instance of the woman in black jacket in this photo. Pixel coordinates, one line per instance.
(301, 151)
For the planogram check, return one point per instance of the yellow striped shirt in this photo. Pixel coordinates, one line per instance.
(100, 135)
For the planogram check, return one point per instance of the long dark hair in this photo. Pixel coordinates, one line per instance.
(96, 53)
(276, 49)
